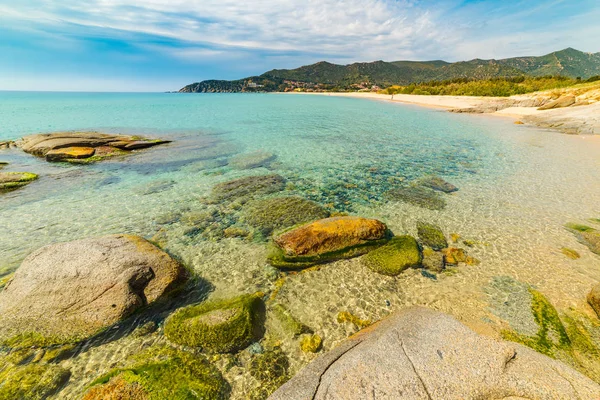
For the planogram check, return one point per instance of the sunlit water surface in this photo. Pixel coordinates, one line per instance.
(518, 187)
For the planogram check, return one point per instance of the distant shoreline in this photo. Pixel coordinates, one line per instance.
(584, 119)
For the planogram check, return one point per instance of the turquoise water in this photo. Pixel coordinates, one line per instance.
(518, 187)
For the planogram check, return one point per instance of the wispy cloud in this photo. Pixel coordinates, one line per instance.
(155, 38)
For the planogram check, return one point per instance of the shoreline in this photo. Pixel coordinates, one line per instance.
(580, 120)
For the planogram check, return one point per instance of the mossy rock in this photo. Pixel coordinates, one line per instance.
(14, 180)
(288, 322)
(275, 213)
(418, 196)
(162, 373)
(586, 235)
(432, 236)
(400, 253)
(244, 188)
(311, 343)
(551, 334)
(222, 326)
(32, 382)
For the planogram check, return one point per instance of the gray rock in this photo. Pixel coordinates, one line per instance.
(70, 291)
(424, 354)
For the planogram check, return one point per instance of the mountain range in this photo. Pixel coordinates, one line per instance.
(365, 75)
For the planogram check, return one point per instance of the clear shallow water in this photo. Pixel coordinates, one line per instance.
(518, 187)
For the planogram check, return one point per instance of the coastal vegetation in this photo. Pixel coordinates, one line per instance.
(498, 87)
(372, 76)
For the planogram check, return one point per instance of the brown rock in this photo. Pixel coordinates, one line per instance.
(564, 101)
(423, 354)
(453, 256)
(70, 153)
(330, 234)
(69, 291)
(593, 299)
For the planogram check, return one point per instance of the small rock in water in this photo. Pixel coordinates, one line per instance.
(453, 256)
(418, 196)
(431, 235)
(311, 343)
(14, 180)
(245, 188)
(400, 253)
(155, 187)
(439, 184)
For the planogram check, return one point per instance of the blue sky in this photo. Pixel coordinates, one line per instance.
(159, 45)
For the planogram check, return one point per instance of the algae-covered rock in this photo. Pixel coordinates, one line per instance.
(345, 316)
(255, 159)
(436, 183)
(400, 253)
(221, 326)
(288, 322)
(419, 353)
(326, 240)
(432, 236)
(31, 382)
(593, 299)
(162, 373)
(586, 235)
(244, 188)
(268, 215)
(311, 343)
(418, 196)
(67, 292)
(13, 180)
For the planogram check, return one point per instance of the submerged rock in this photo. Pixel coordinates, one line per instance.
(271, 370)
(586, 235)
(88, 146)
(288, 322)
(400, 253)
(424, 354)
(311, 343)
(247, 187)
(436, 183)
(13, 180)
(593, 299)
(162, 373)
(252, 160)
(66, 292)
(326, 240)
(268, 215)
(222, 326)
(432, 236)
(433, 260)
(418, 196)
(454, 255)
(31, 382)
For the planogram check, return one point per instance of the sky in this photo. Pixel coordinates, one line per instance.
(162, 45)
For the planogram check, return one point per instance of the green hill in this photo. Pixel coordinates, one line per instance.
(327, 76)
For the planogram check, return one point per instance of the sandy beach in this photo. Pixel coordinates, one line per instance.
(580, 117)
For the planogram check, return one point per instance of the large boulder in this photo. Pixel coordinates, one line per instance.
(327, 239)
(66, 292)
(49, 145)
(424, 354)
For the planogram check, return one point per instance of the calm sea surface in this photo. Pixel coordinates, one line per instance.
(518, 187)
